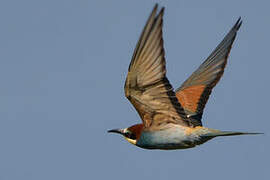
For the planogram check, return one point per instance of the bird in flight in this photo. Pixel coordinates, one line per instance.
(171, 119)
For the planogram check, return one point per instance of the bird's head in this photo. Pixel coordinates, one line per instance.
(131, 134)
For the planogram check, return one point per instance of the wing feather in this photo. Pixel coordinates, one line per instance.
(195, 91)
(147, 86)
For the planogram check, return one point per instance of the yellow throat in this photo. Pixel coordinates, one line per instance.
(132, 141)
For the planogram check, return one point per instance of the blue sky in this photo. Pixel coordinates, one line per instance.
(62, 70)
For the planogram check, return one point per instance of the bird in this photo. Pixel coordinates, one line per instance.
(171, 119)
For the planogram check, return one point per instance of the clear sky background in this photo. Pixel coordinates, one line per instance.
(62, 70)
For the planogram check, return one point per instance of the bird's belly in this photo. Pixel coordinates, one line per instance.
(173, 138)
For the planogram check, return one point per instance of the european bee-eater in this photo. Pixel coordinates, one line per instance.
(171, 120)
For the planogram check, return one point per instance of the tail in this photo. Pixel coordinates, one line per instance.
(215, 133)
(207, 134)
(233, 133)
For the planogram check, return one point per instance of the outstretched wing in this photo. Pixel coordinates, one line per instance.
(194, 92)
(146, 85)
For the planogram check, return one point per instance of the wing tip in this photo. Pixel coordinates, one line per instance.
(156, 7)
(238, 23)
(162, 10)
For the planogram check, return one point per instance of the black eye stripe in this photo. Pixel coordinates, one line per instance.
(130, 135)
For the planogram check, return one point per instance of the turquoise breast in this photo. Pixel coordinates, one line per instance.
(165, 140)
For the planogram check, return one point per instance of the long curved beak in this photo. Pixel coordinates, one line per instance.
(119, 131)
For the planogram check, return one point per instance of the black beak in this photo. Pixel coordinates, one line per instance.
(119, 131)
